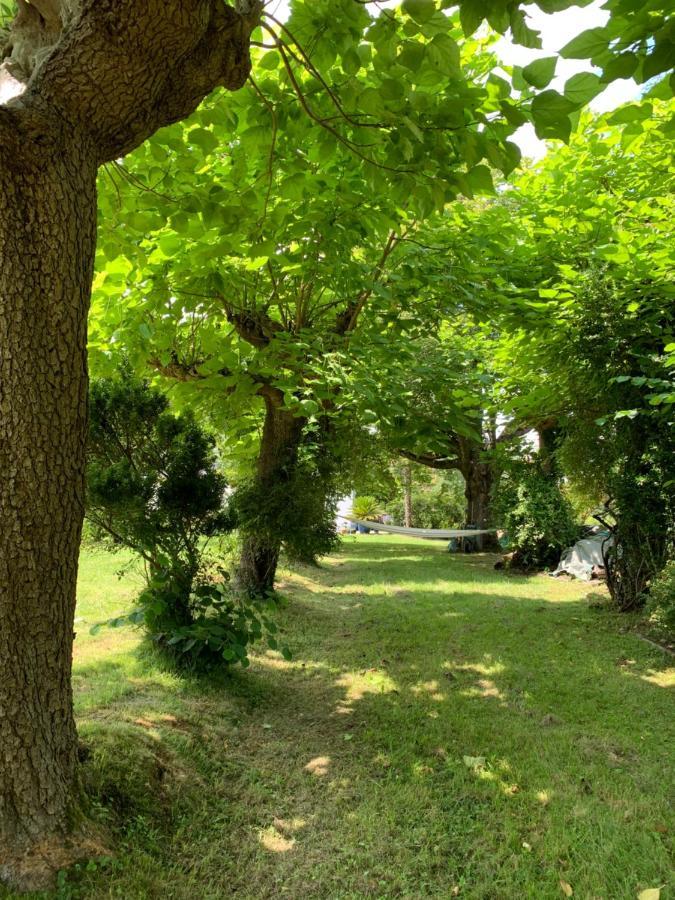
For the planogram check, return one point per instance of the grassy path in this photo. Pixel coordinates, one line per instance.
(443, 731)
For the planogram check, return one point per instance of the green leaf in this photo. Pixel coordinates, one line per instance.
(551, 6)
(512, 114)
(659, 60)
(443, 54)
(392, 89)
(480, 180)
(269, 61)
(471, 14)
(632, 112)
(309, 407)
(411, 55)
(511, 157)
(204, 139)
(587, 44)
(621, 66)
(540, 72)
(550, 111)
(522, 33)
(351, 61)
(582, 87)
(419, 10)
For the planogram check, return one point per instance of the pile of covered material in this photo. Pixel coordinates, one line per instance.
(585, 559)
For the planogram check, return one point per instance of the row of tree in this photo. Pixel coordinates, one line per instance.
(282, 252)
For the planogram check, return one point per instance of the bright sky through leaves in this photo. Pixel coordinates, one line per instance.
(556, 30)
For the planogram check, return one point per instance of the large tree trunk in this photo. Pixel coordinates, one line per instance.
(479, 480)
(81, 83)
(47, 238)
(282, 433)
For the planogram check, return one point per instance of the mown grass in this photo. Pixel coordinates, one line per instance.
(443, 730)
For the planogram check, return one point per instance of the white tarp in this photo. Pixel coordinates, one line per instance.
(580, 559)
(421, 532)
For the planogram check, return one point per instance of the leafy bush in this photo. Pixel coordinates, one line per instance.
(640, 517)
(297, 513)
(153, 486)
(537, 516)
(365, 508)
(661, 602)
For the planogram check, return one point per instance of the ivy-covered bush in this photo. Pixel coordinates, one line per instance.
(297, 513)
(661, 600)
(538, 518)
(153, 486)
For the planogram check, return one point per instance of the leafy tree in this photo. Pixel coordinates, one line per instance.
(536, 515)
(445, 413)
(244, 297)
(584, 241)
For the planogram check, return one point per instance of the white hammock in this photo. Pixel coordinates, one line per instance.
(421, 532)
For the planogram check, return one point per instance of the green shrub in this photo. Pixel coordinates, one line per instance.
(661, 600)
(153, 486)
(296, 513)
(537, 516)
(365, 508)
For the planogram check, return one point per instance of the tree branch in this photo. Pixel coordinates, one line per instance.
(179, 370)
(256, 328)
(431, 460)
(125, 68)
(348, 318)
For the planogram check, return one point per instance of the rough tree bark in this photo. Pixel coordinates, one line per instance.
(82, 82)
(281, 437)
(47, 236)
(479, 480)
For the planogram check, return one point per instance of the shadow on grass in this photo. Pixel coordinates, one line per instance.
(415, 745)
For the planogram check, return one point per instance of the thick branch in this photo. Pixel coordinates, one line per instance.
(179, 370)
(346, 321)
(431, 460)
(256, 328)
(127, 67)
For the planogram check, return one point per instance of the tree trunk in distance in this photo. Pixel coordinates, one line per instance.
(407, 496)
(282, 433)
(478, 478)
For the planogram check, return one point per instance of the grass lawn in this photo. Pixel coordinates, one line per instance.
(443, 730)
